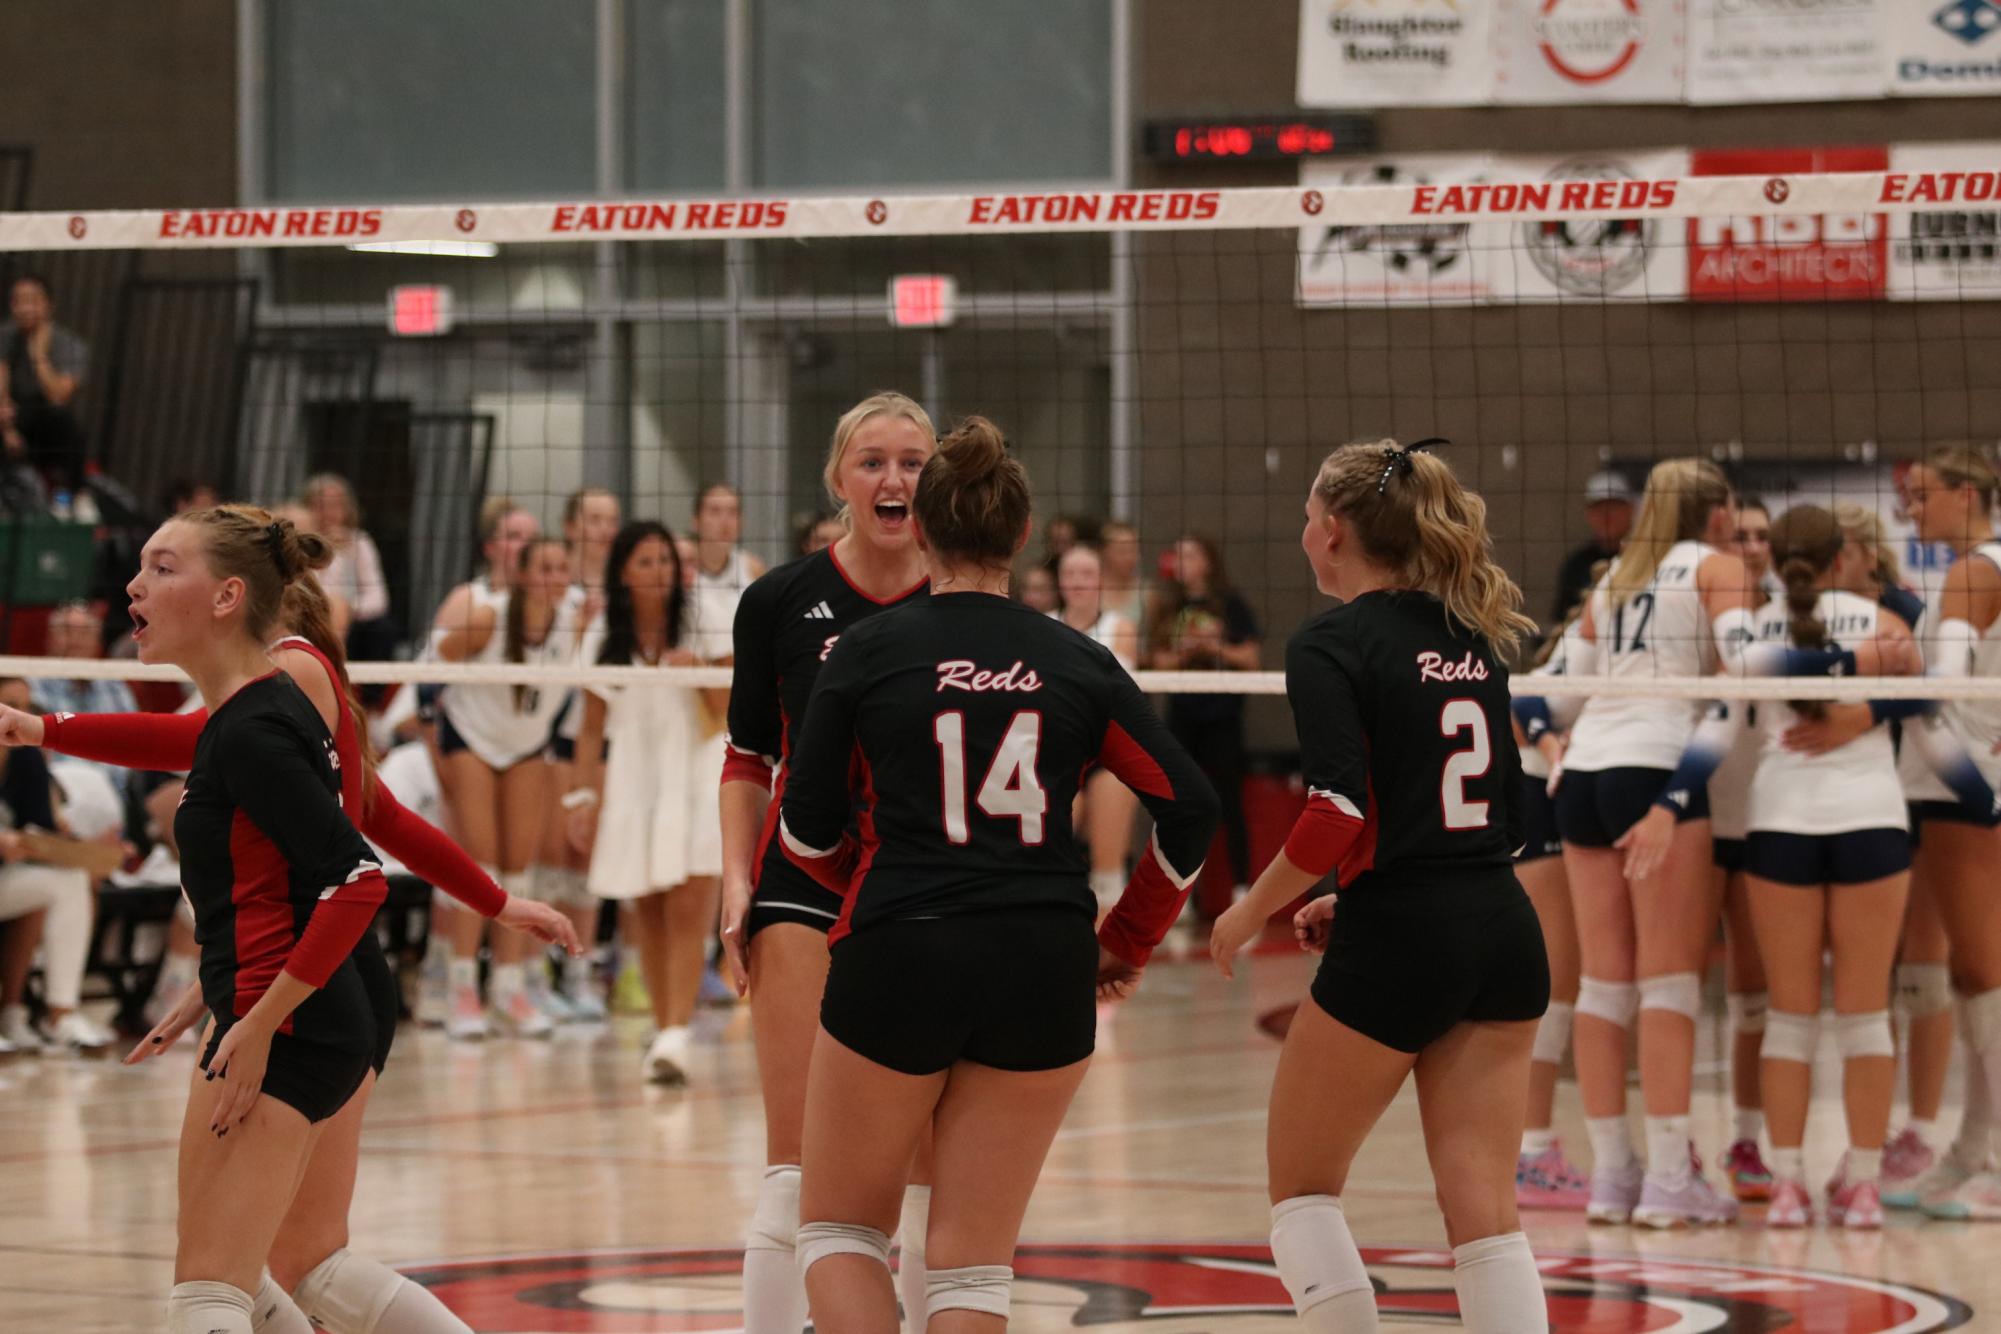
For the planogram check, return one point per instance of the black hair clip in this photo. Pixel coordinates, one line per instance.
(274, 542)
(1394, 458)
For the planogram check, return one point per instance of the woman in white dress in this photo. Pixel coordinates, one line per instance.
(1105, 806)
(648, 810)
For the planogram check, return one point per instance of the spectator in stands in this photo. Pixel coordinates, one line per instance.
(192, 493)
(1608, 508)
(42, 366)
(77, 631)
(719, 561)
(818, 532)
(355, 575)
(1204, 626)
(1064, 531)
(1124, 589)
(43, 906)
(1037, 589)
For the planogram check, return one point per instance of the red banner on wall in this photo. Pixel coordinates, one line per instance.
(1776, 257)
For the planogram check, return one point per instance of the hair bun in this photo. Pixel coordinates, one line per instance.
(975, 449)
(296, 550)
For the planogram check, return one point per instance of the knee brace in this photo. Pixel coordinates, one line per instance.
(1315, 1253)
(1923, 989)
(1789, 1036)
(1552, 1034)
(1864, 1034)
(1747, 1010)
(817, 1241)
(983, 1288)
(774, 1224)
(1676, 993)
(1614, 1002)
(347, 1293)
(521, 884)
(561, 887)
(204, 1307)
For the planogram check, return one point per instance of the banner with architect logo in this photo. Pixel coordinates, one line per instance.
(1553, 51)
(1405, 263)
(1784, 50)
(1951, 249)
(1944, 48)
(1394, 53)
(1587, 259)
(1781, 257)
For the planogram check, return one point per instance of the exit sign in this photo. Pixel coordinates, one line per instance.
(420, 311)
(923, 300)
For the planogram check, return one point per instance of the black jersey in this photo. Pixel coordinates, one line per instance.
(1407, 746)
(786, 625)
(968, 722)
(278, 877)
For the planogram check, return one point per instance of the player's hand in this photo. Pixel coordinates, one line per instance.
(1117, 979)
(18, 728)
(541, 921)
(1841, 725)
(1231, 933)
(1555, 778)
(238, 1066)
(1646, 843)
(736, 944)
(185, 1013)
(1312, 924)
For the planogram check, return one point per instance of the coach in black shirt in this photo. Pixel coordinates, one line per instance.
(1608, 508)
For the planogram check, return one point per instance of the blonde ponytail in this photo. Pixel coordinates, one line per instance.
(1680, 495)
(1861, 524)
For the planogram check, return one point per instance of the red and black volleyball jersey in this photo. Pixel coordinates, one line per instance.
(1406, 744)
(278, 878)
(968, 722)
(786, 625)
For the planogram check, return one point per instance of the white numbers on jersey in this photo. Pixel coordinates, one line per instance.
(1464, 715)
(1010, 790)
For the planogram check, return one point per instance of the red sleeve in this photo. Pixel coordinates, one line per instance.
(1151, 902)
(129, 740)
(1324, 832)
(336, 927)
(832, 868)
(746, 766)
(430, 853)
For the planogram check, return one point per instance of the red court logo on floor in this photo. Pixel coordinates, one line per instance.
(1197, 1286)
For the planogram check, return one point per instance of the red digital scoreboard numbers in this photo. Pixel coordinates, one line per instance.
(1258, 138)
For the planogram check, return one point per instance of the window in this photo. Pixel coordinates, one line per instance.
(674, 72)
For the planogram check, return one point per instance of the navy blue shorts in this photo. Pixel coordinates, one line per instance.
(1809, 860)
(1594, 810)
(1538, 822)
(1958, 812)
(449, 740)
(1727, 854)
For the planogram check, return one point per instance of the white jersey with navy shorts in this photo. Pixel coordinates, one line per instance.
(1832, 818)
(1730, 792)
(495, 723)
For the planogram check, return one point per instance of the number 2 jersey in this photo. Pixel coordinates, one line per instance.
(1406, 744)
(969, 722)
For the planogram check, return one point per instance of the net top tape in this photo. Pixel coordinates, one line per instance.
(999, 213)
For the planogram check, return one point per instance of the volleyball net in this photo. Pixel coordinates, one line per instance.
(1169, 363)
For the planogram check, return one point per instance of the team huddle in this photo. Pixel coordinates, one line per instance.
(907, 907)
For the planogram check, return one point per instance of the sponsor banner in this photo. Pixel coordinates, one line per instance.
(1554, 51)
(1427, 262)
(1760, 255)
(1785, 50)
(1395, 53)
(1595, 258)
(1943, 48)
(1951, 247)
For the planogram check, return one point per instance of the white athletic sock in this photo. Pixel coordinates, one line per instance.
(1750, 1123)
(1537, 1141)
(1862, 1165)
(506, 980)
(1611, 1142)
(352, 1294)
(1499, 1287)
(1667, 1149)
(272, 1310)
(465, 973)
(1788, 1164)
(1970, 1145)
(204, 1307)
(1926, 1129)
(1320, 1266)
(912, 1277)
(774, 1291)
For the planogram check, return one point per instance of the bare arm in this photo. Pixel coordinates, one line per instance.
(463, 627)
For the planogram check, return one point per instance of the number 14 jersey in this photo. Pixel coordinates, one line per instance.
(1661, 630)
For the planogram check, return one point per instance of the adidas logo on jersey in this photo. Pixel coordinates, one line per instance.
(821, 612)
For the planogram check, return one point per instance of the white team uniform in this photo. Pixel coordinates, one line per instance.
(1562, 711)
(1661, 630)
(1105, 630)
(487, 717)
(1977, 723)
(1730, 785)
(735, 576)
(1852, 787)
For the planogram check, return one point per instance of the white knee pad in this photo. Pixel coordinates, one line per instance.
(1676, 993)
(204, 1307)
(1614, 1002)
(1923, 989)
(521, 884)
(562, 886)
(1552, 1034)
(1747, 1010)
(272, 1310)
(982, 1288)
(1864, 1034)
(817, 1241)
(1314, 1251)
(1789, 1036)
(774, 1224)
(347, 1293)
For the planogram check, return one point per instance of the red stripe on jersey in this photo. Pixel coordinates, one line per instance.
(1131, 765)
(770, 829)
(871, 842)
(1151, 902)
(1326, 833)
(742, 766)
(863, 592)
(259, 891)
